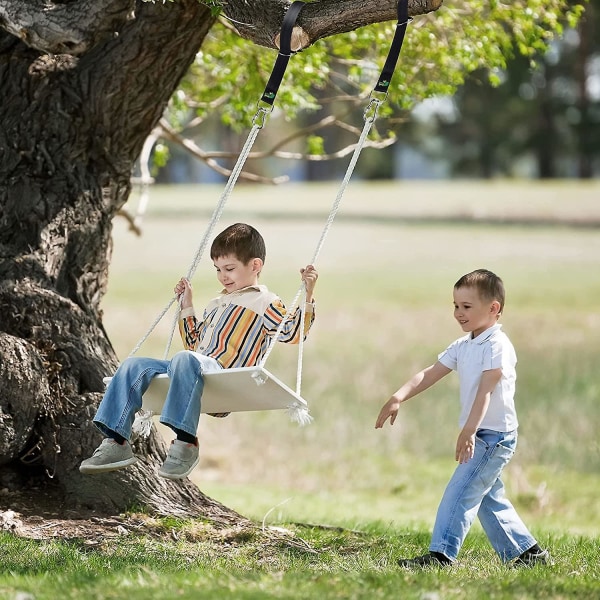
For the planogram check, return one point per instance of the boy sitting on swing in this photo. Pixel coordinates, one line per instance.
(235, 331)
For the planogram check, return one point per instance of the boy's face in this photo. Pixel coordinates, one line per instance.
(474, 314)
(235, 275)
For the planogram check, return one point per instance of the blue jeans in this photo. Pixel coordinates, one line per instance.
(476, 489)
(123, 396)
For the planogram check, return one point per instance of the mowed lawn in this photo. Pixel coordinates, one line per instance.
(384, 301)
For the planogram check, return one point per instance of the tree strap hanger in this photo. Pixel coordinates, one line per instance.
(285, 52)
(385, 78)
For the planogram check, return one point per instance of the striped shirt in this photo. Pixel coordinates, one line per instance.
(237, 328)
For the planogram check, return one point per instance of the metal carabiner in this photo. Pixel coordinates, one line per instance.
(370, 112)
(260, 118)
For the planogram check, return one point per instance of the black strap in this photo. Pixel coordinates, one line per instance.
(285, 51)
(390, 64)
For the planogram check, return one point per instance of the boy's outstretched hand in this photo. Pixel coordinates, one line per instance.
(388, 411)
(309, 276)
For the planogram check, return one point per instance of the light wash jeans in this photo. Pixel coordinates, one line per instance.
(476, 489)
(123, 396)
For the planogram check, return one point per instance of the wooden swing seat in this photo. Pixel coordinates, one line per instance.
(230, 390)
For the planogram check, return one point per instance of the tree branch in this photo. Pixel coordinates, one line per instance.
(77, 26)
(65, 27)
(260, 20)
(170, 134)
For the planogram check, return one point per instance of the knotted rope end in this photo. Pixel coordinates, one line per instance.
(298, 413)
(142, 424)
(259, 378)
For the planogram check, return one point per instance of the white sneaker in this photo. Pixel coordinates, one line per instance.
(108, 456)
(180, 461)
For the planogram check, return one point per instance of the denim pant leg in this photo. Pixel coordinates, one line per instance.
(504, 528)
(468, 486)
(123, 396)
(182, 404)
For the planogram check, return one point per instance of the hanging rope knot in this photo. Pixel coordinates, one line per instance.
(298, 413)
(260, 118)
(259, 378)
(143, 423)
(370, 112)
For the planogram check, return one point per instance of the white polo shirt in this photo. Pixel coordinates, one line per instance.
(469, 358)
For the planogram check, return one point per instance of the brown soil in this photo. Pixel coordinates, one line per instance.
(45, 518)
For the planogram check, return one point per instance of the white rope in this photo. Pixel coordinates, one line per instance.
(370, 114)
(143, 421)
(297, 412)
(257, 124)
(301, 344)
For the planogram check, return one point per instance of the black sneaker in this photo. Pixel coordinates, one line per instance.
(531, 558)
(430, 559)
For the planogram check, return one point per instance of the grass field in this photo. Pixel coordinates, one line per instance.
(384, 310)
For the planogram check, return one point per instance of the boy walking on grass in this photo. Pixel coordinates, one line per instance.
(235, 331)
(485, 361)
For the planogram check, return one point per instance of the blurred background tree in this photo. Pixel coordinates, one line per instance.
(538, 117)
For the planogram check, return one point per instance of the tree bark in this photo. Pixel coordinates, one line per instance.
(65, 28)
(82, 84)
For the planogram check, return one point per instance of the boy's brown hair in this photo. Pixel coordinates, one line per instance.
(488, 285)
(241, 240)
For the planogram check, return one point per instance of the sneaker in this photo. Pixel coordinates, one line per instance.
(108, 456)
(531, 558)
(180, 461)
(427, 560)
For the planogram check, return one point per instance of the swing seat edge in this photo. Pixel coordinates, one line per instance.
(239, 389)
